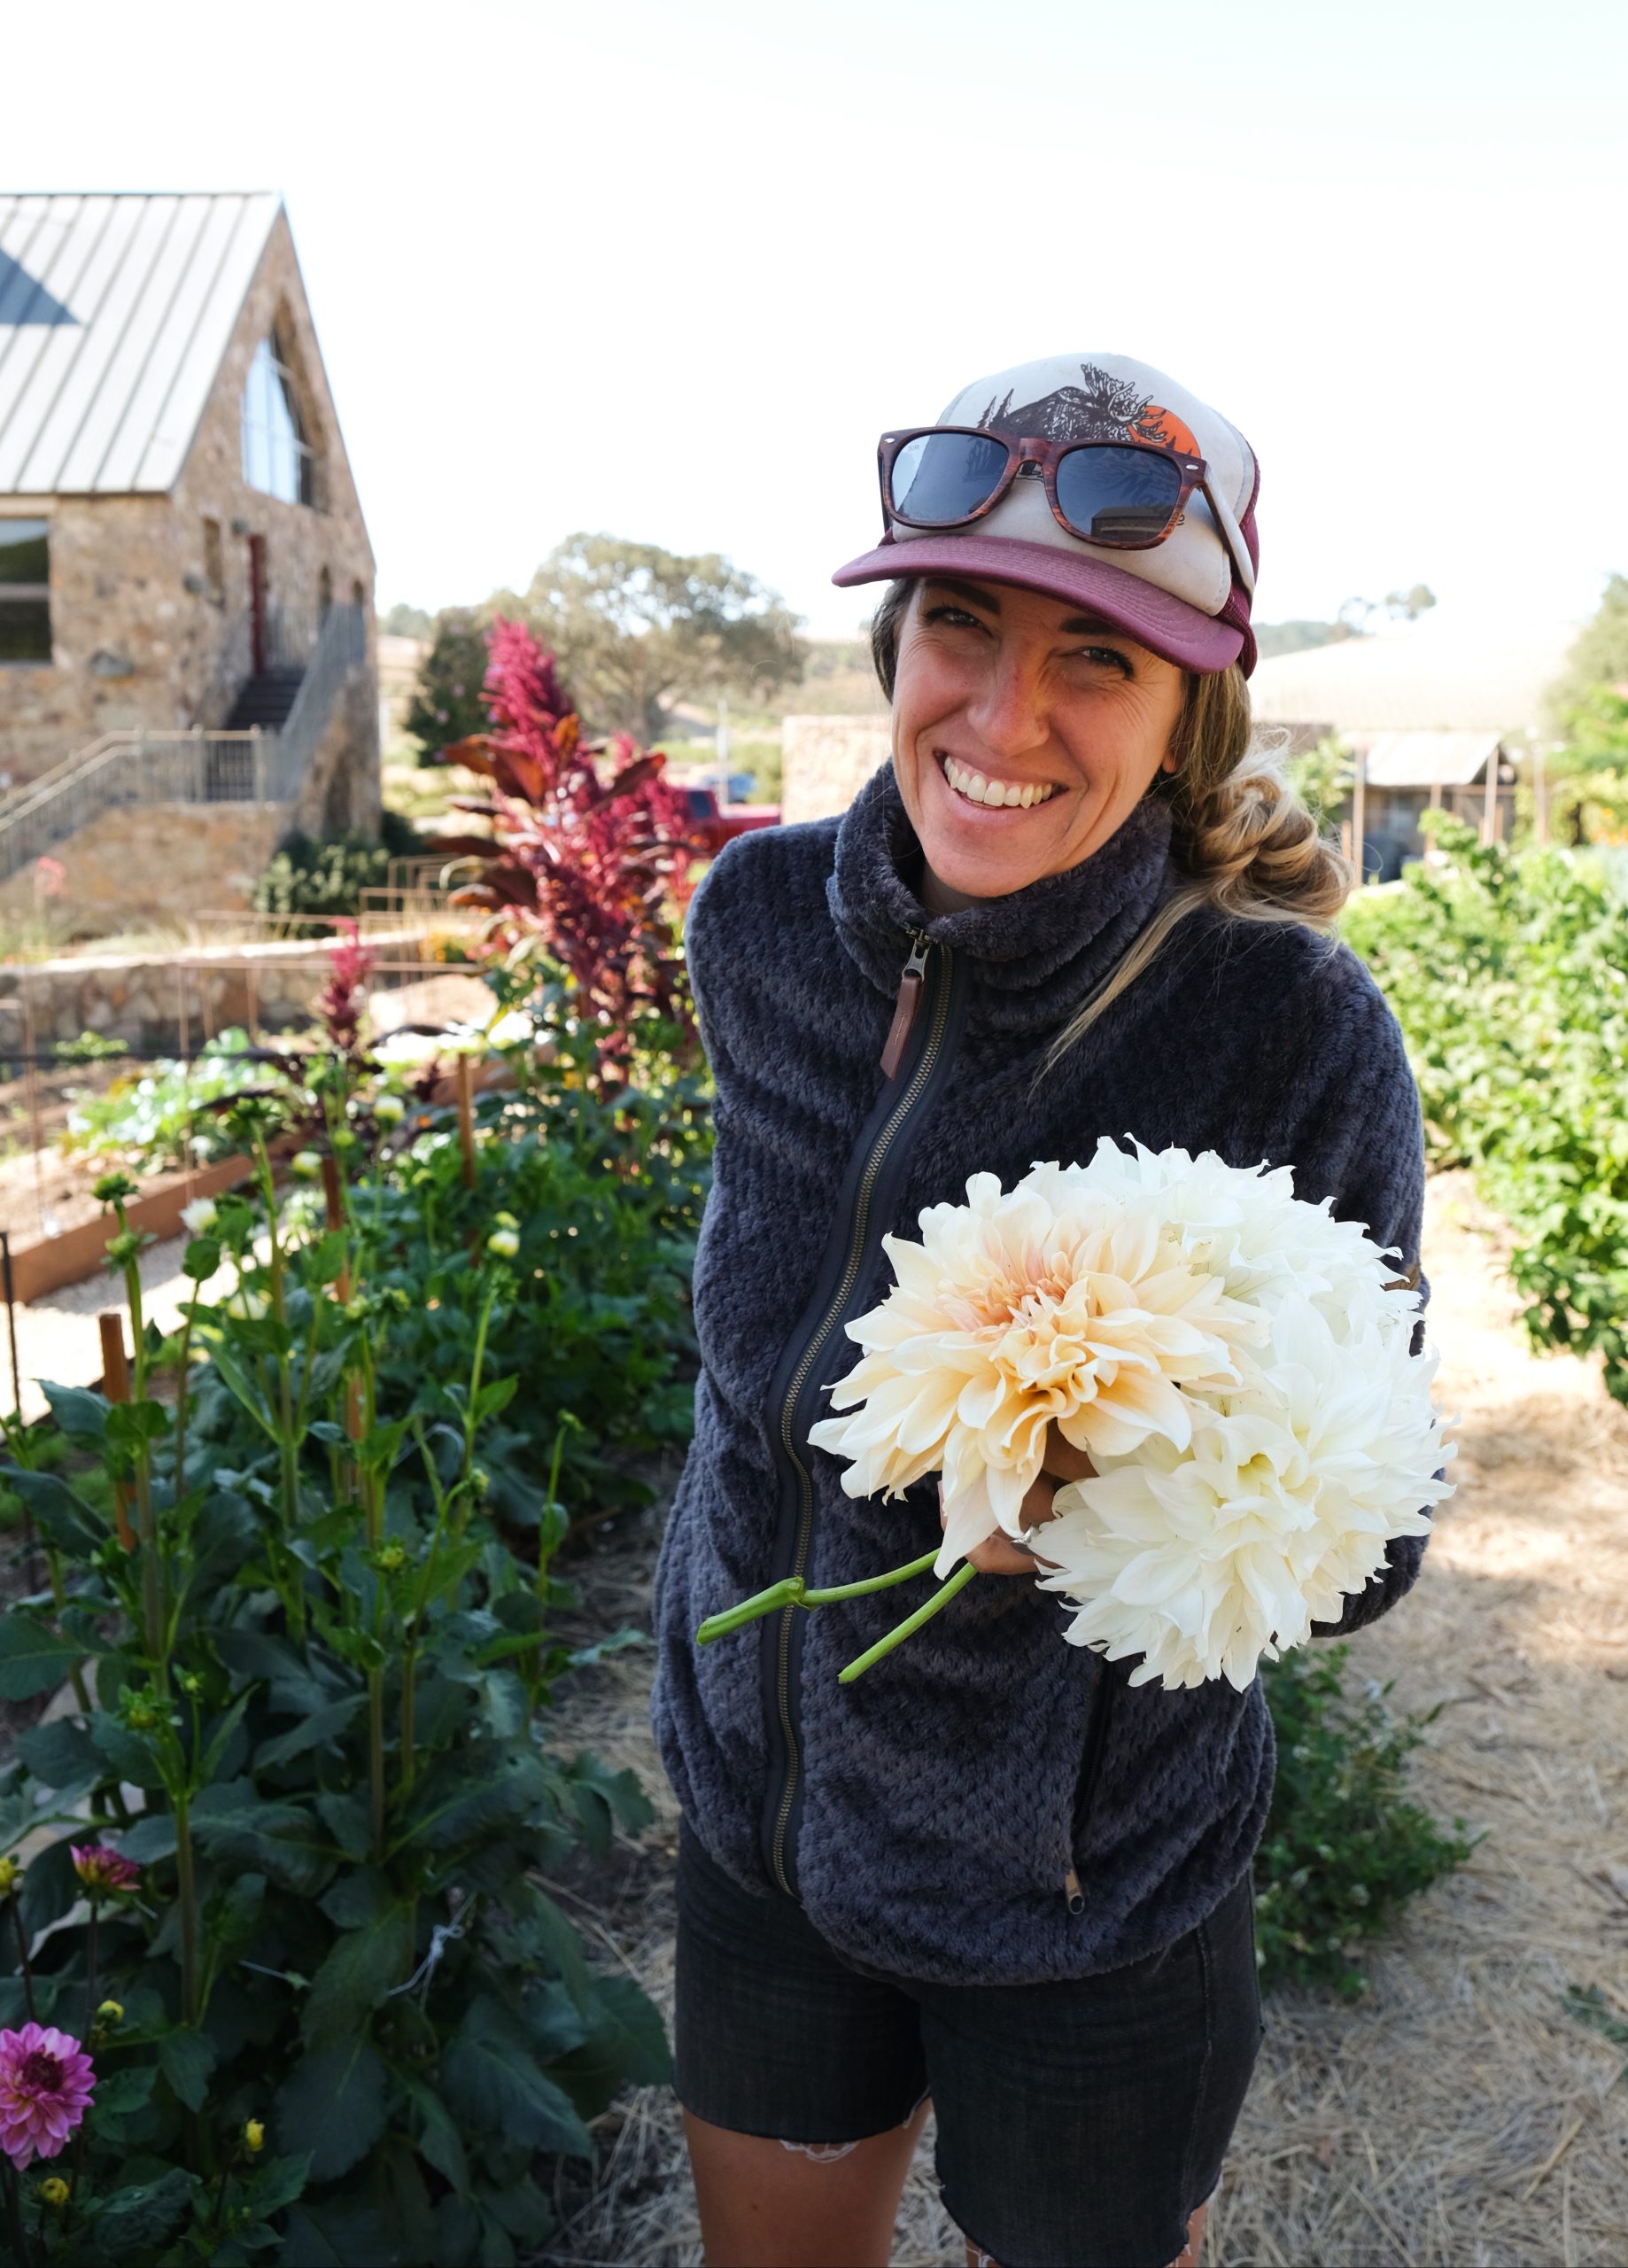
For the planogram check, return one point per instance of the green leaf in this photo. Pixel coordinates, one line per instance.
(152, 1836)
(522, 2210)
(360, 1968)
(332, 2106)
(345, 1818)
(140, 2219)
(132, 1755)
(219, 1739)
(62, 1518)
(33, 1658)
(357, 1900)
(118, 2093)
(51, 1886)
(439, 2143)
(450, 1806)
(490, 2073)
(276, 2183)
(186, 2059)
(61, 1754)
(77, 1409)
(324, 1724)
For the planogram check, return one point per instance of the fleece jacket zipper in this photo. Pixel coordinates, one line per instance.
(915, 1061)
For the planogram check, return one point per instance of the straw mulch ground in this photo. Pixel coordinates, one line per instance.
(1464, 2115)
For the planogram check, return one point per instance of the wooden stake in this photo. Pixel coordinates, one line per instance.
(116, 1386)
(466, 1117)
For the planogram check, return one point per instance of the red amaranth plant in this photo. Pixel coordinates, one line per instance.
(349, 962)
(590, 853)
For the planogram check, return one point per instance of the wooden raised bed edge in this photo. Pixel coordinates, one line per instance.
(52, 1262)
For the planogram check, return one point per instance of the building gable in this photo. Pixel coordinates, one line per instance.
(115, 316)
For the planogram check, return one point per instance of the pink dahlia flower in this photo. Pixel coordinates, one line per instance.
(102, 1870)
(46, 2083)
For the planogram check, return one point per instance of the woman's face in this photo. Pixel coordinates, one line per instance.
(1001, 688)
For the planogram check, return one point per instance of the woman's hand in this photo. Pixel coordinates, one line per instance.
(997, 1554)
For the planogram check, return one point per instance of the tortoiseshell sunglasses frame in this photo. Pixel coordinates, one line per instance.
(1048, 455)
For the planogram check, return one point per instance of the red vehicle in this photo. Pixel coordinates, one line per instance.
(715, 824)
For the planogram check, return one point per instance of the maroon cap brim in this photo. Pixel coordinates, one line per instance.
(1152, 617)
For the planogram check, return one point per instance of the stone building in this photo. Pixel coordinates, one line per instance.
(186, 585)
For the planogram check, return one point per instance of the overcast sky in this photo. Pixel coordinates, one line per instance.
(669, 269)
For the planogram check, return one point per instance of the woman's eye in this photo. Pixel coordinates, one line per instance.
(1107, 658)
(956, 616)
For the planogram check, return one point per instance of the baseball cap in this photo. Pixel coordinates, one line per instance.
(1186, 597)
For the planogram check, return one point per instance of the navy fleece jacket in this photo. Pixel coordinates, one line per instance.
(943, 1801)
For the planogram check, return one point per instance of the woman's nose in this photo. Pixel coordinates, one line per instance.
(1010, 715)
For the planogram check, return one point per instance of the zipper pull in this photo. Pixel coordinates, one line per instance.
(911, 982)
(1073, 1896)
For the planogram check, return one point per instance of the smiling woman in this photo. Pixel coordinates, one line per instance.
(984, 1873)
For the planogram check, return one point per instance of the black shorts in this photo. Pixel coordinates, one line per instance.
(1079, 2123)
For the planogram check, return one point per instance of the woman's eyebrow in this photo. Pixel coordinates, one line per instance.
(974, 591)
(1088, 625)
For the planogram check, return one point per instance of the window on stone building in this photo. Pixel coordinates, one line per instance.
(214, 560)
(277, 455)
(25, 591)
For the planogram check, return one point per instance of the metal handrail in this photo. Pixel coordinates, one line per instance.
(194, 766)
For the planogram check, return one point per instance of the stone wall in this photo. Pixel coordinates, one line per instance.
(826, 760)
(146, 633)
(158, 862)
(174, 1000)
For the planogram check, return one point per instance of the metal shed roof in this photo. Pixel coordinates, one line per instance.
(1429, 759)
(1485, 671)
(114, 314)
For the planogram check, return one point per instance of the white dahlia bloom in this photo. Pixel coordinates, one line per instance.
(1207, 1561)
(1014, 1311)
(1236, 1364)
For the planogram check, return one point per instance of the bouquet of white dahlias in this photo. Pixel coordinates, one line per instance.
(1236, 1364)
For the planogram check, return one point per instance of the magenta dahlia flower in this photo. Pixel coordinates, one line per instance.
(102, 1870)
(46, 2083)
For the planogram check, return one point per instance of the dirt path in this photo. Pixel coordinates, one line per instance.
(1464, 2115)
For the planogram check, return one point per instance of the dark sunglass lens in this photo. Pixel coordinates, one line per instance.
(1123, 496)
(940, 478)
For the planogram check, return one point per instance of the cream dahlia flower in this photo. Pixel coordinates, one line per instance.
(1206, 1560)
(1053, 1303)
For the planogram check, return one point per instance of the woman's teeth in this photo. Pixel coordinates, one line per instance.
(977, 789)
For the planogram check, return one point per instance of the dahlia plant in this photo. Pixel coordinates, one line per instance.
(1236, 1364)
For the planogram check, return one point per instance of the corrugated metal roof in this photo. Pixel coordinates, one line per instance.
(114, 314)
(1451, 672)
(1429, 759)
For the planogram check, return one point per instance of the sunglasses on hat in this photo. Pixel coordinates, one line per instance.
(1119, 496)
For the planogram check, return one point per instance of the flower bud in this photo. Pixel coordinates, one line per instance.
(390, 1558)
(53, 2191)
(307, 1164)
(111, 2013)
(390, 1110)
(112, 1187)
(190, 1683)
(200, 1215)
(124, 1247)
(504, 1242)
(10, 1874)
(253, 2136)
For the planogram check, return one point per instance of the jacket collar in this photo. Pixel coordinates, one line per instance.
(1034, 954)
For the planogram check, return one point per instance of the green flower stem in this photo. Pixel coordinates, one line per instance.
(288, 1440)
(794, 1592)
(91, 1968)
(21, 2249)
(22, 1956)
(186, 1893)
(941, 1597)
(182, 1373)
(481, 1328)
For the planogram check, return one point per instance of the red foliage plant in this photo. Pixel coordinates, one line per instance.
(339, 1003)
(589, 852)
